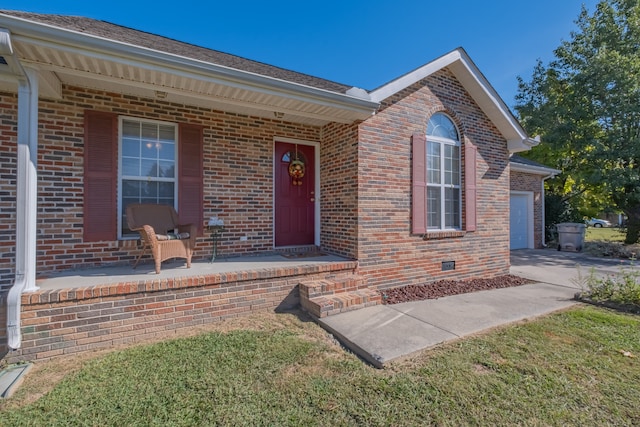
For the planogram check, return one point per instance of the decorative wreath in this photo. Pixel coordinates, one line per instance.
(296, 171)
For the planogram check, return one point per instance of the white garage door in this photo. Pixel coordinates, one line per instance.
(520, 221)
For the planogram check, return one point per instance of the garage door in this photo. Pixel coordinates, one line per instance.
(519, 230)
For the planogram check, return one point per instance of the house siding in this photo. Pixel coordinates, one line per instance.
(522, 181)
(388, 253)
(238, 169)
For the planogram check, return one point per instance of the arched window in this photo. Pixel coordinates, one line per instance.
(444, 202)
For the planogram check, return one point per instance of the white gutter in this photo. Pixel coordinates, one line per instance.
(102, 48)
(26, 188)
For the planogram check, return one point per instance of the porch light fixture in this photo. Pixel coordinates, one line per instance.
(278, 114)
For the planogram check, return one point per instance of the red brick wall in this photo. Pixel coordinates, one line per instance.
(8, 135)
(521, 181)
(238, 169)
(389, 255)
(339, 189)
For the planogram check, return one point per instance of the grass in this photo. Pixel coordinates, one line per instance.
(609, 234)
(609, 242)
(569, 368)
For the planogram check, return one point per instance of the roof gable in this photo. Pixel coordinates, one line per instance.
(468, 74)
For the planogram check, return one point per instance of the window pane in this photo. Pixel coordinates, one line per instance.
(130, 147)
(167, 133)
(433, 163)
(167, 151)
(130, 167)
(130, 129)
(440, 125)
(130, 189)
(452, 165)
(455, 168)
(167, 169)
(150, 131)
(149, 168)
(149, 149)
(149, 189)
(165, 189)
(452, 208)
(433, 208)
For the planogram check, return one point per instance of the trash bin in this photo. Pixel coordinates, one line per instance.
(571, 236)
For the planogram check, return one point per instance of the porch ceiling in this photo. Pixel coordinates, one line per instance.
(185, 81)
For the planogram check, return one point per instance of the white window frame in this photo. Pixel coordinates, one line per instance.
(442, 185)
(121, 177)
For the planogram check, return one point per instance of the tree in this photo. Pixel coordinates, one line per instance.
(585, 105)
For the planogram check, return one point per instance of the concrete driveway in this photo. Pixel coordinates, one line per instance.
(561, 268)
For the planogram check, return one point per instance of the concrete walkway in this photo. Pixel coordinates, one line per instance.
(382, 333)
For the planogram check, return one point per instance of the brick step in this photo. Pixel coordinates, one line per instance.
(327, 305)
(315, 288)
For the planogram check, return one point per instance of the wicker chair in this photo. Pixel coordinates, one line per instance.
(160, 230)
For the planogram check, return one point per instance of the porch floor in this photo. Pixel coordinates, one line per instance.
(173, 269)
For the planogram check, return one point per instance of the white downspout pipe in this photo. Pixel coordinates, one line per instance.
(26, 195)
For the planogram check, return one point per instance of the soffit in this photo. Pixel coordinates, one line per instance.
(191, 86)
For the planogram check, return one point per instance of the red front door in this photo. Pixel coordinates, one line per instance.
(295, 197)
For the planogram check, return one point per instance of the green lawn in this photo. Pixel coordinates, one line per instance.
(604, 234)
(564, 369)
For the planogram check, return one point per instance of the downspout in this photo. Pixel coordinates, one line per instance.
(26, 189)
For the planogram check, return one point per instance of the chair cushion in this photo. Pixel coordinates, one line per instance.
(173, 236)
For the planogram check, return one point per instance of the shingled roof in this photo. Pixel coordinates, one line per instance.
(156, 42)
(514, 158)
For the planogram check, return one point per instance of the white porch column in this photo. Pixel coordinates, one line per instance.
(27, 179)
(26, 203)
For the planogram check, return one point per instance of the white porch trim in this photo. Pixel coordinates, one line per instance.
(26, 187)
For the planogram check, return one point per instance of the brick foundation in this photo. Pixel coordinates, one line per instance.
(62, 322)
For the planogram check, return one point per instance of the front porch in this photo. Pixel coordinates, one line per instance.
(82, 310)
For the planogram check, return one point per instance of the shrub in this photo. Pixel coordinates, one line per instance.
(623, 288)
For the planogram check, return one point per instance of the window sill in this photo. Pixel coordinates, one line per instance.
(438, 235)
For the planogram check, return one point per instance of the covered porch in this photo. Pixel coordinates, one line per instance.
(210, 127)
(88, 309)
(223, 269)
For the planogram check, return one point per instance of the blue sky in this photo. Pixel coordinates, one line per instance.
(359, 43)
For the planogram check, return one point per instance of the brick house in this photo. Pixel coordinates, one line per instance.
(404, 184)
